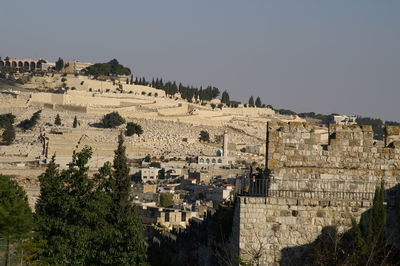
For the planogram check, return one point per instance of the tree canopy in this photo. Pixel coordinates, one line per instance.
(112, 120)
(89, 221)
(111, 68)
(133, 128)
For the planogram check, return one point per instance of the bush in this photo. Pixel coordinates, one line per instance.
(6, 119)
(166, 199)
(133, 128)
(112, 120)
(155, 164)
(204, 136)
(9, 134)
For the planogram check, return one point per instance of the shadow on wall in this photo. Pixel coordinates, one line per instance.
(334, 248)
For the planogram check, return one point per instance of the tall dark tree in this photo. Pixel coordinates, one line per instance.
(225, 97)
(75, 123)
(251, 101)
(16, 219)
(59, 64)
(258, 102)
(126, 232)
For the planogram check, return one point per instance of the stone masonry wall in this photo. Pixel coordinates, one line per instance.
(314, 185)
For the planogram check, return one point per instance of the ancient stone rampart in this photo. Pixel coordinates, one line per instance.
(314, 184)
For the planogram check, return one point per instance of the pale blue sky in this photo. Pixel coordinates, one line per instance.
(323, 56)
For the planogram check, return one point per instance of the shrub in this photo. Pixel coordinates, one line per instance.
(112, 120)
(9, 134)
(133, 128)
(6, 119)
(155, 164)
(204, 136)
(166, 199)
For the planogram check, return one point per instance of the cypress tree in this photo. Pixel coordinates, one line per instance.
(75, 123)
(57, 121)
(225, 97)
(258, 102)
(126, 244)
(251, 101)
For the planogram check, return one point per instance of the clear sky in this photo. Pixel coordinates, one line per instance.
(324, 56)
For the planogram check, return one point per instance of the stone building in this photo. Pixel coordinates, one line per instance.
(150, 174)
(220, 159)
(29, 64)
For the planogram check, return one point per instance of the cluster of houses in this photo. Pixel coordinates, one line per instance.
(192, 190)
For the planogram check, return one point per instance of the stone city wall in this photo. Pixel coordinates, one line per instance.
(314, 184)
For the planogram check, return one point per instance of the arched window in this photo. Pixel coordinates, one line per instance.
(214, 161)
(219, 160)
(201, 160)
(208, 161)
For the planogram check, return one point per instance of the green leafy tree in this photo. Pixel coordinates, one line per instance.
(111, 68)
(9, 134)
(57, 121)
(112, 120)
(16, 219)
(71, 212)
(166, 199)
(258, 102)
(133, 128)
(251, 101)
(204, 136)
(75, 123)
